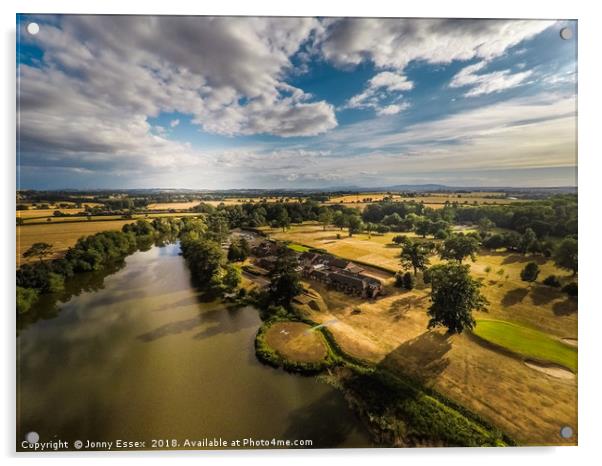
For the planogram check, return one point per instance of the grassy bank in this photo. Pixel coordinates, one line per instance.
(397, 411)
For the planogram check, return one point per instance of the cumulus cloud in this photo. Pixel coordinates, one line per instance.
(487, 83)
(174, 123)
(394, 43)
(392, 109)
(102, 77)
(381, 88)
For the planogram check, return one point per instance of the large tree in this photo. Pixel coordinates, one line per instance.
(205, 259)
(217, 227)
(415, 255)
(285, 281)
(354, 224)
(339, 219)
(325, 217)
(39, 250)
(454, 295)
(459, 247)
(565, 255)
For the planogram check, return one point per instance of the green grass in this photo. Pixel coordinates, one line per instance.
(527, 342)
(298, 247)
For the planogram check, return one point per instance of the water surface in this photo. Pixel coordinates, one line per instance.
(138, 355)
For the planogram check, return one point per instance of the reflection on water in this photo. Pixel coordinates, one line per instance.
(136, 355)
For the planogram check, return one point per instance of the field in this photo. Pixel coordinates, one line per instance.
(392, 331)
(527, 342)
(61, 236)
(434, 200)
(173, 205)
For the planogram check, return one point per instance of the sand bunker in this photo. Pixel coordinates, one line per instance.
(551, 370)
(570, 341)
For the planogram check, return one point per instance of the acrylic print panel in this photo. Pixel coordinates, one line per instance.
(249, 232)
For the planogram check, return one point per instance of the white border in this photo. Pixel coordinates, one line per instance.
(590, 320)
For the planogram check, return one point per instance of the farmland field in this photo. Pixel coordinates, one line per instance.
(173, 205)
(434, 200)
(61, 236)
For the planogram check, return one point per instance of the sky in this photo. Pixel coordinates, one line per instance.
(237, 102)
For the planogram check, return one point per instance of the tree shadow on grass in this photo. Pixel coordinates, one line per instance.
(516, 258)
(400, 307)
(423, 358)
(542, 295)
(566, 307)
(514, 296)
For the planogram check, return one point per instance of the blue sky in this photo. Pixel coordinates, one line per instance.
(219, 103)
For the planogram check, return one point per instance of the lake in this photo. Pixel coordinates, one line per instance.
(137, 355)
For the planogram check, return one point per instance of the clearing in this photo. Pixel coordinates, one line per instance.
(296, 342)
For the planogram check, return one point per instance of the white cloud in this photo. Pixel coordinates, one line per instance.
(392, 109)
(379, 89)
(394, 43)
(487, 83)
(174, 123)
(390, 81)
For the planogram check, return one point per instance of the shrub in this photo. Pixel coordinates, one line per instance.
(552, 281)
(26, 297)
(441, 234)
(530, 272)
(399, 280)
(570, 289)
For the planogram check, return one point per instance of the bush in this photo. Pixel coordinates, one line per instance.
(570, 289)
(530, 272)
(409, 281)
(552, 281)
(399, 280)
(441, 234)
(26, 297)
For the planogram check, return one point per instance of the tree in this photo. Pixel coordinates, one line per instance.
(39, 250)
(282, 219)
(565, 255)
(26, 297)
(459, 247)
(400, 239)
(485, 225)
(354, 224)
(530, 272)
(369, 227)
(570, 289)
(339, 220)
(285, 282)
(424, 227)
(415, 255)
(409, 281)
(235, 254)
(454, 295)
(217, 227)
(205, 259)
(528, 241)
(231, 278)
(552, 280)
(325, 217)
